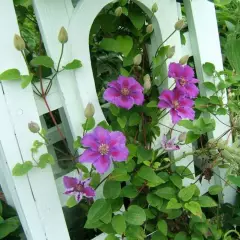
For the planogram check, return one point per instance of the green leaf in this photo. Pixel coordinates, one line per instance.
(10, 225)
(82, 167)
(111, 237)
(129, 191)
(162, 227)
(105, 125)
(22, 169)
(135, 232)
(122, 44)
(191, 137)
(183, 171)
(10, 74)
(71, 202)
(124, 72)
(181, 236)
(206, 201)
(1, 208)
(174, 204)
(152, 104)
(114, 110)
(26, 80)
(222, 85)
(77, 143)
(209, 68)
(45, 159)
(116, 204)
(166, 193)
(123, 2)
(119, 224)
(210, 86)
(215, 100)
(134, 119)
(143, 154)
(234, 179)
(176, 180)
(137, 19)
(42, 61)
(215, 189)
(107, 218)
(186, 123)
(158, 236)
(111, 189)
(98, 210)
(221, 111)
(122, 121)
(89, 124)
(120, 174)
(73, 65)
(96, 178)
(196, 236)
(187, 193)
(153, 200)
(135, 215)
(130, 165)
(194, 208)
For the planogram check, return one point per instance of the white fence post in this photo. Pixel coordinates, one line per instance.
(206, 48)
(41, 216)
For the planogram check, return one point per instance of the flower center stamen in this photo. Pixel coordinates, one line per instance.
(125, 91)
(79, 188)
(182, 81)
(175, 104)
(103, 149)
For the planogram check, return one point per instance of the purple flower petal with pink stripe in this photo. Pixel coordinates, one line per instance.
(169, 145)
(124, 92)
(107, 147)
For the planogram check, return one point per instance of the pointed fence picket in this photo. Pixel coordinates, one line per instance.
(35, 195)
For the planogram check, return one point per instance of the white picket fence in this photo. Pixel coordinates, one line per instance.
(38, 196)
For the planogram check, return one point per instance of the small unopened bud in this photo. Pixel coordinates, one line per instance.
(19, 43)
(147, 85)
(33, 127)
(154, 8)
(182, 137)
(146, 78)
(179, 25)
(89, 111)
(137, 59)
(63, 35)
(149, 28)
(118, 11)
(170, 52)
(183, 60)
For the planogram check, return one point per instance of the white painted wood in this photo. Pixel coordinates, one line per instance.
(51, 16)
(41, 216)
(206, 48)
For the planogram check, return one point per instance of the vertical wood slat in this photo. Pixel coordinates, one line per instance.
(206, 48)
(41, 216)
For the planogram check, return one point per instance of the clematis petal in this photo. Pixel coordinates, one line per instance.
(188, 72)
(102, 164)
(89, 156)
(117, 138)
(89, 140)
(102, 135)
(186, 113)
(115, 84)
(167, 96)
(175, 70)
(175, 117)
(78, 196)
(125, 102)
(70, 182)
(191, 90)
(138, 97)
(163, 104)
(186, 102)
(110, 94)
(119, 154)
(89, 192)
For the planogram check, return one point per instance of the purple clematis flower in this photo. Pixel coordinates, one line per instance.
(78, 187)
(103, 147)
(180, 106)
(185, 81)
(124, 92)
(169, 145)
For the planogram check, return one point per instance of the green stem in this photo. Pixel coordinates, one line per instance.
(231, 231)
(164, 42)
(101, 182)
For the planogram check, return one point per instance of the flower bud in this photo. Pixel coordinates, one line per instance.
(33, 127)
(137, 59)
(154, 8)
(183, 60)
(19, 43)
(147, 85)
(182, 137)
(118, 11)
(179, 25)
(149, 28)
(146, 78)
(170, 52)
(63, 35)
(89, 111)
